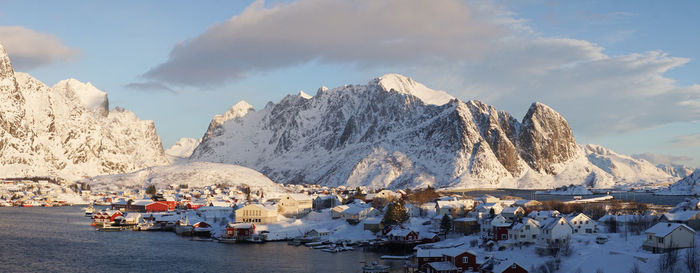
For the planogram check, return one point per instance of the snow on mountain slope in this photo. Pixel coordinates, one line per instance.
(369, 135)
(68, 132)
(406, 85)
(194, 174)
(690, 185)
(88, 95)
(627, 168)
(181, 150)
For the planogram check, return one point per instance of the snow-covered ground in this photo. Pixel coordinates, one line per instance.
(193, 174)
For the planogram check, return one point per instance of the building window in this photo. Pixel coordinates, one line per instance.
(465, 259)
(661, 240)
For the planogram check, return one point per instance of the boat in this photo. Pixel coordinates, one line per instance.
(89, 210)
(375, 267)
(227, 240)
(183, 228)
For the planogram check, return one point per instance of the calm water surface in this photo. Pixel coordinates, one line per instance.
(61, 240)
(644, 197)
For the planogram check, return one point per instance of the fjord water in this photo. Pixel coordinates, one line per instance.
(60, 239)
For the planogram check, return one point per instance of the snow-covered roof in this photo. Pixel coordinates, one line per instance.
(543, 213)
(662, 229)
(450, 204)
(300, 197)
(465, 219)
(442, 266)
(681, 215)
(399, 232)
(373, 220)
(511, 210)
(142, 202)
(430, 252)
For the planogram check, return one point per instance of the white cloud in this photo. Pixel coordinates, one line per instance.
(663, 159)
(471, 49)
(29, 49)
(692, 140)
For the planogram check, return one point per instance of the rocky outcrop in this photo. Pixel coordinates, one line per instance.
(545, 139)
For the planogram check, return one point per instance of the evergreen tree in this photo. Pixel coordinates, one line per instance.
(151, 190)
(396, 213)
(445, 224)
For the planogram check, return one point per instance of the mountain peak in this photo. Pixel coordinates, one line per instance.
(5, 64)
(304, 95)
(406, 85)
(88, 95)
(239, 109)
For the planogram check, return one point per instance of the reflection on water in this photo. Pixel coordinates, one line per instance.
(60, 239)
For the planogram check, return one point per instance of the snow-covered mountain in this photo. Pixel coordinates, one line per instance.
(690, 185)
(68, 131)
(194, 174)
(181, 150)
(396, 133)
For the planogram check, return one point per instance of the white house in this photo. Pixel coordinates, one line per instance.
(543, 215)
(553, 232)
(582, 224)
(513, 213)
(295, 205)
(358, 213)
(525, 232)
(486, 208)
(337, 211)
(451, 208)
(663, 237)
(256, 213)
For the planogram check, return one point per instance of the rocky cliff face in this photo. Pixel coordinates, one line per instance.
(68, 131)
(394, 132)
(545, 139)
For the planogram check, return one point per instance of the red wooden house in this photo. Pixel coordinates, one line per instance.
(106, 216)
(240, 230)
(402, 235)
(157, 206)
(455, 259)
(500, 233)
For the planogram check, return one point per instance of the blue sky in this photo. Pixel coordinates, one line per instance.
(624, 73)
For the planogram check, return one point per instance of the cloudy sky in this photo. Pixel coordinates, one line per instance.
(623, 73)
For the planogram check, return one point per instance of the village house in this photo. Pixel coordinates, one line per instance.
(337, 211)
(106, 216)
(528, 204)
(525, 232)
(401, 235)
(664, 237)
(500, 227)
(488, 208)
(454, 259)
(373, 224)
(355, 214)
(582, 224)
(543, 215)
(553, 233)
(466, 225)
(454, 208)
(317, 233)
(326, 201)
(513, 213)
(690, 218)
(488, 199)
(256, 213)
(295, 205)
(493, 265)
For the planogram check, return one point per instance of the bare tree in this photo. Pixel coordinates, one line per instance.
(691, 260)
(668, 261)
(635, 268)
